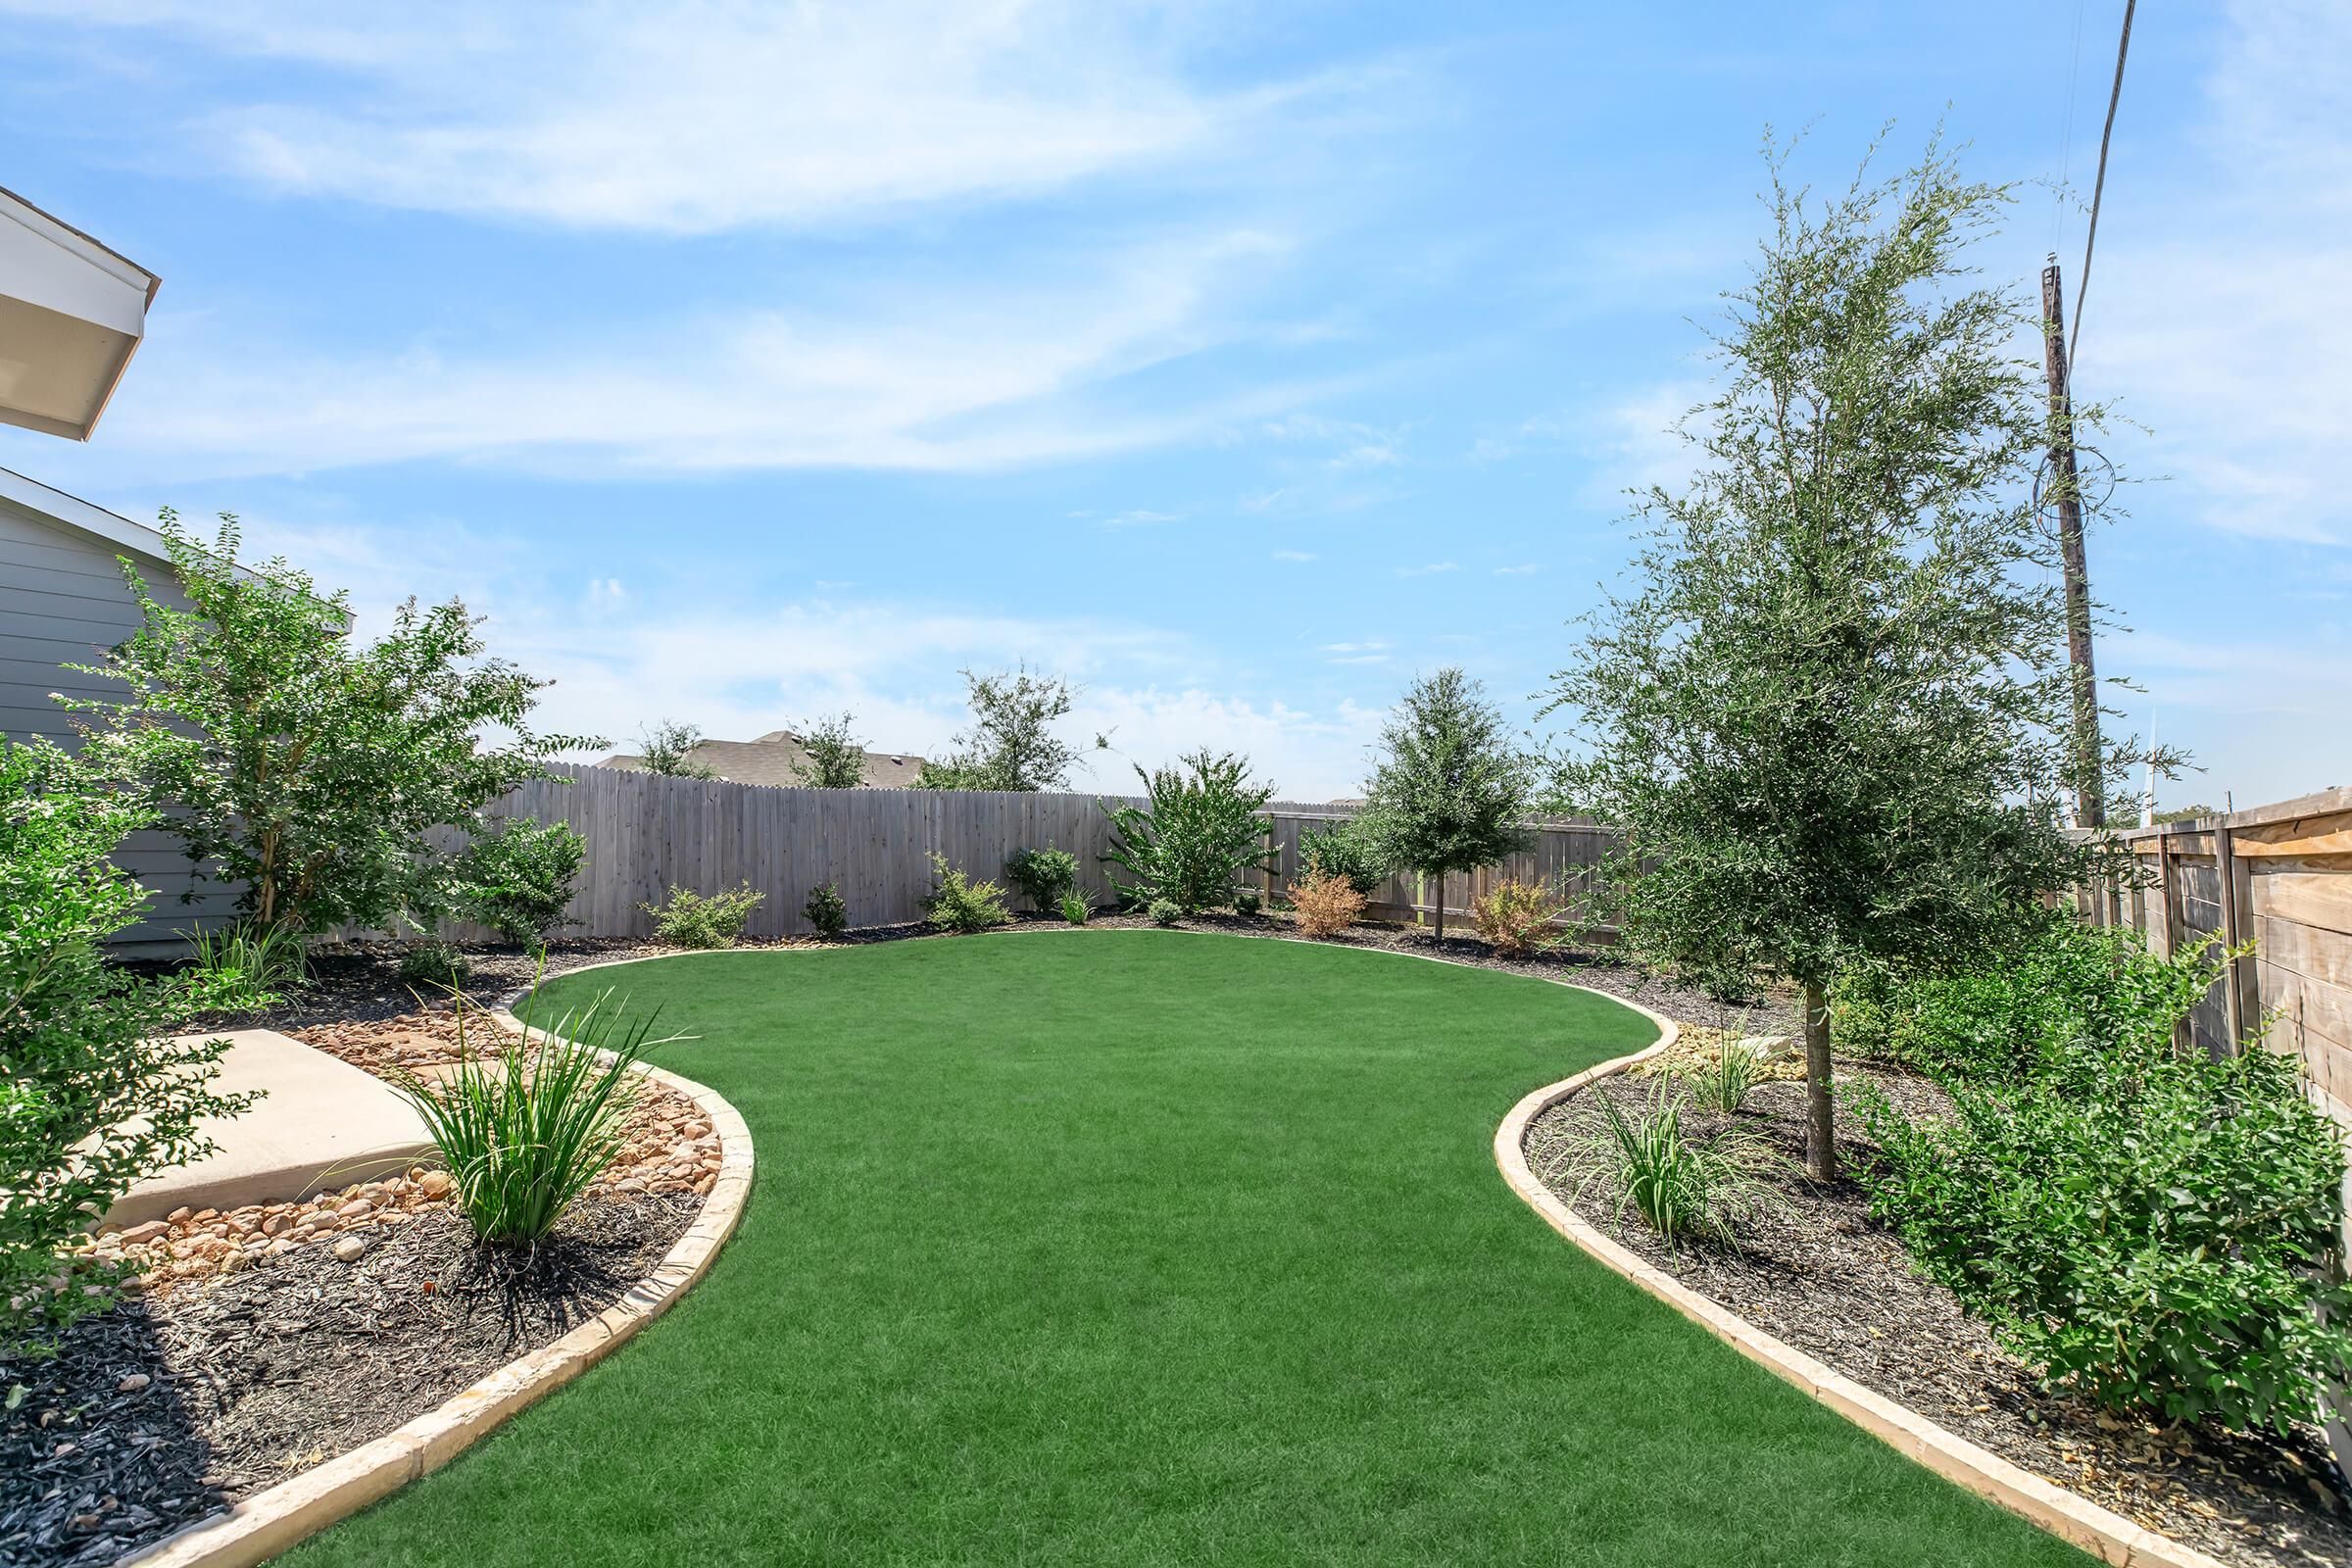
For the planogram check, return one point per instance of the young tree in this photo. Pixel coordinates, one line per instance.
(294, 764)
(1451, 787)
(95, 1092)
(835, 757)
(1010, 744)
(668, 749)
(1198, 834)
(1832, 715)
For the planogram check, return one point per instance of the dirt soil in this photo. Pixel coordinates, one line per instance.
(1817, 1273)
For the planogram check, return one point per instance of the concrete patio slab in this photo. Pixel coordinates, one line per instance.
(321, 1123)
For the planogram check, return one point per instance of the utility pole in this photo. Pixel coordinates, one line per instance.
(2091, 796)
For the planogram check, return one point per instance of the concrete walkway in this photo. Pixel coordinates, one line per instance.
(320, 1123)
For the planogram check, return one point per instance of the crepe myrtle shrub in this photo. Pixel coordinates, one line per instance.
(2152, 1228)
(1350, 848)
(1196, 835)
(1450, 786)
(293, 761)
(1010, 744)
(1832, 710)
(690, 920)
(827, 911)
(957, 904)
(1044, 877)
(518, 880)
(95, 1092)
(523, 1128)
(835, 757)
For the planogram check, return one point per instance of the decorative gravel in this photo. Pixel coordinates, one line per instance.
(1816, 1272)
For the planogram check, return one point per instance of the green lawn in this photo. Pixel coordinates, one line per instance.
(1123, 1246)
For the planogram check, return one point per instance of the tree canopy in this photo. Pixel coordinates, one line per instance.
(1450, 785)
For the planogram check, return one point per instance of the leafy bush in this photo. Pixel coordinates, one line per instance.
(957, 904)
(2051, 985)
(524, 1132)
(1350, 848)
(1247, 900)
(1515, 917)
(668, 749)
(249, 962)
(835, 757)
(827, 911)
(1165, 911)
(1044, 877)
(1326, 903)
(308, 765)
(1074, 909)
(436, 964)
(2147, 1227)
(691, 921)
(95, 1093)
(518, 880)
(1197, 834)
(1686, 1187)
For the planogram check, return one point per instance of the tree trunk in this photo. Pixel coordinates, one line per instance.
(1821, 1147)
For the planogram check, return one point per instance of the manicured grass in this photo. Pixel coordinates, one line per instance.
(1118, 1246)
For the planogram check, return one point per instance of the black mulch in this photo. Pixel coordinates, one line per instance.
(168, 1410)
(1817, 1273)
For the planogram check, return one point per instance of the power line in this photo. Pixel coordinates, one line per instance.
(2123, 46)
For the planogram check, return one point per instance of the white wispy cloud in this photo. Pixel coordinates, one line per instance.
(1294, 555)
(700, 116)
(1528, 571)
(1432, 570)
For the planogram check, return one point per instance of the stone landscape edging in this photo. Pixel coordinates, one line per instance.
(2068, 1516)
(274, 1521)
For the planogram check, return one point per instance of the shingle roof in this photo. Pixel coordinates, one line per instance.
(776, 757)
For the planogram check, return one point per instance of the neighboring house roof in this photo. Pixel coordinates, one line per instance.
(776, 757)
(72, 313)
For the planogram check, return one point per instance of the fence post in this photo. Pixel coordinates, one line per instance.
(2229, 871)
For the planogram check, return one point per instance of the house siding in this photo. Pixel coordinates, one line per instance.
(63, 598)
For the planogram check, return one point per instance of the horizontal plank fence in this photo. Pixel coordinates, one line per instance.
(2279, 876)
(648, 833)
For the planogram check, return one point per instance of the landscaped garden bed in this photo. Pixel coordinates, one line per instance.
(1813, 1269)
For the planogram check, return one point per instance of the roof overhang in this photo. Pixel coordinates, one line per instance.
(72, 313)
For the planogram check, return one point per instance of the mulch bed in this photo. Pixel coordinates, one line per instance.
(1818, 1274)
(173, 1406)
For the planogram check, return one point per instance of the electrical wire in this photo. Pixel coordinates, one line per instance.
(2123, 46)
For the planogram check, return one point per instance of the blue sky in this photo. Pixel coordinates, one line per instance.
(745, 363)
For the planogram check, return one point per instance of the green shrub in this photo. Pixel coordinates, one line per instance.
(827, 911)
(1165, 911)
(1043, 876)
(957, 904)
(2146, 1227)
(1074, 909)
(691, 921)
(2052, 985)
(436, 964)
(525, 1130)
(517, 881)
(95, 1092)
(1197, 834)
(249, 962)
(1247, 900)
(1687, 1188)
(1350, 848)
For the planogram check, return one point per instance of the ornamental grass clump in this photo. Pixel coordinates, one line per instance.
(1723, 1084)
(1687, 1187)
(523, 1131)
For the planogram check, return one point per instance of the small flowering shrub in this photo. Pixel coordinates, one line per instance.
(1326, 903)
(691, 921)
(1165, 911)
(959, 905)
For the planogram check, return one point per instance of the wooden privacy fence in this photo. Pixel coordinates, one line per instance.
(648, 833)
(2279, 876)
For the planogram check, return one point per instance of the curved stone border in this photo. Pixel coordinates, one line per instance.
(2105, 1535)
(274, 1521)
